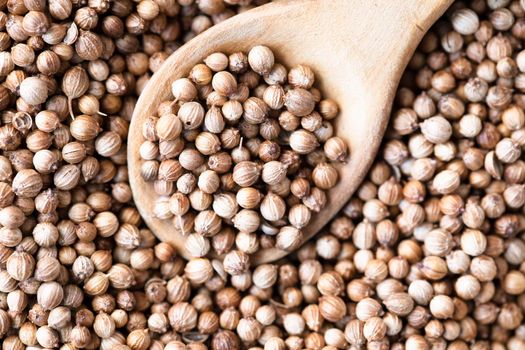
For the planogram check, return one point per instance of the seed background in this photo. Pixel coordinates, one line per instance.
(79, 270)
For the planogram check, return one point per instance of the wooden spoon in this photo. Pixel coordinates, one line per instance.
(358, 50)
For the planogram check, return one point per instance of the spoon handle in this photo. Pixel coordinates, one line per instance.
(376, 30)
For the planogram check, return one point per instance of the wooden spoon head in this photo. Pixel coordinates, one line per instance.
(358, 51)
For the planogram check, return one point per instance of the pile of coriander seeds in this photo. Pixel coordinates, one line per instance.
(428, 254)
(241, 157)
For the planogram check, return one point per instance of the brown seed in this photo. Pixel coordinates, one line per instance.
(325, 176)
(84, 128)
(236, 262)
(438, 242)
(303, 142)
(33, 90)
(50, 295)
(514, 283)
(255, 110)
(441, 306)
(75, 84)
(289, 238)
(20, 266)
(400, 304)
(433, 267)
(35, 23)
(261, 59)
(224, 83)
(89, 46)
(374, 329)
(299, 102)
(182, 316)
(246, 173)
(332, 308)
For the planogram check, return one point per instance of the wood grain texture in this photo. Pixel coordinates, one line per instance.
(358, 50)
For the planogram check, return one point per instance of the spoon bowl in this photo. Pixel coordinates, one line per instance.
(358, 51)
